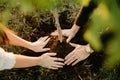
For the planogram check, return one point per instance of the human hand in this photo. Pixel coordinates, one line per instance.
(47, 61)
(81, 52)
(38, 46)
(65, 32)
(70, 33)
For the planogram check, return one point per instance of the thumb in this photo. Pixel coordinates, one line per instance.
(73, 44)
(52, 54)
(54, 33)
(69, 38)
(45, 49)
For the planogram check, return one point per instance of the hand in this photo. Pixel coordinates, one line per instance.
(66, 32)
(47, 61)
(38, 46)
(78, 54)
(70, 33)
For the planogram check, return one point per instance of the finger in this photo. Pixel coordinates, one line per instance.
(44, 38)
(40, 38)
(75, 62)
(54, 68)
(46, 41)
(59, 63)
(45, 49)
(69, 61)
(58, 59)
(69, 58)
(52, 54)
(69, 38)
(57, 66)
(70, 55)
(73, 44)
(54, 33)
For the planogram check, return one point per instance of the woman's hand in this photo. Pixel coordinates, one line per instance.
(38, 46)
(48, 61)
(66, 32)
(81, 52)
(70, 33)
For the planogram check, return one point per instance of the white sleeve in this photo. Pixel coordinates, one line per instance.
(7, 60)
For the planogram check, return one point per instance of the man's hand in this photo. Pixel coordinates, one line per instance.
(48, 61)
(70, 33)
(78, 54)
(66, 32)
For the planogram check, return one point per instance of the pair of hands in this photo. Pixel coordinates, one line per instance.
(47, 60)
(81, 52)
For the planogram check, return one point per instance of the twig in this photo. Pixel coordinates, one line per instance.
(57, 24)
(80, 77)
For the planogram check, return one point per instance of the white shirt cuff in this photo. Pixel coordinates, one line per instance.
(7, 60)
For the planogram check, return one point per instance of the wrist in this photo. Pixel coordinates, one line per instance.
(38, 61)
(75, 28)
(35, 61)
(29, 46)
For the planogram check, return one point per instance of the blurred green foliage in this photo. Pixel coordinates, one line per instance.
(106, 19)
